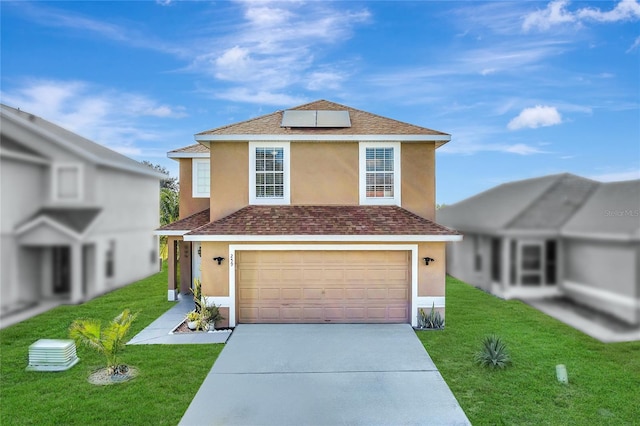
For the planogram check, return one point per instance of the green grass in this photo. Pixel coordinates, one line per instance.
(169, 375)
(604, 379)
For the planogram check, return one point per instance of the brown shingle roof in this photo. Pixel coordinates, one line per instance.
(323, 220)
(192, 149)
(362, 123)
(194, 221)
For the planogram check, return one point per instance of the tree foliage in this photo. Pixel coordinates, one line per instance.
(168, 183)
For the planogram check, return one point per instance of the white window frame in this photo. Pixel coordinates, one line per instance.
(194, 177)
(397, 175)
(55, 195)
(286, 198)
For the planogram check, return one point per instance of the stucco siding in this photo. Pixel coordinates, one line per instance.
(188, 204)
(324, 173)
(229, 178)
(418, 179)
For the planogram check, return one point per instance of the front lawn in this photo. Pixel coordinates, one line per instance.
(604, 379)
(169, 375)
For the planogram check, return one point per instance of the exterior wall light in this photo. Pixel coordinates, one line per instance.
(219, 259)
(427, 260)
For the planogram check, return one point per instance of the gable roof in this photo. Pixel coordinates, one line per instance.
(612, 212)
(72, 220)
(318, 223)
(543, 203)
(363, 124)
(182, 226)
(192, 151)
(90, 151)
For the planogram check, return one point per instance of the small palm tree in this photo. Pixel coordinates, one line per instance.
(109, 341)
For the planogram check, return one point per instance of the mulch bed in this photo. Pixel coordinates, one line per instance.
(183, 328)
(102, 377)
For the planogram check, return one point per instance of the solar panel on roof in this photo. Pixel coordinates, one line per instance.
(315, 118)
(333, 119)
(296, 118)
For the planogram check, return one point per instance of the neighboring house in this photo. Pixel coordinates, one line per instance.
(553, 235)
(320, 213)
(77, 218)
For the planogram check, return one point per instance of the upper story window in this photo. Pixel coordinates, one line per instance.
(269, 173)
(201, 181)
(380, 173)
(67, 182)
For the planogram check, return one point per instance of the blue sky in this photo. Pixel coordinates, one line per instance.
(524, 88)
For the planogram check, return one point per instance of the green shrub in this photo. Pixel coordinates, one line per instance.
(494, 353)
(432, 320)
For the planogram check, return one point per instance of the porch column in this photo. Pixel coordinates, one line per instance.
(505, 266)
(172, 259)
(185, 267)
(76, 273)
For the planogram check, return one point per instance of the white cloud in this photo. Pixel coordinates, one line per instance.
(275, 48)
(556, 13)
(112, 118)
(538, 116)
(635, 45)
(471, 140)
(626, 10)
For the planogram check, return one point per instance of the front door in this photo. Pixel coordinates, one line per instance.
(61, 270)
(532, 263)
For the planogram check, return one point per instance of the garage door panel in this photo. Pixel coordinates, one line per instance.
(292, 275)
(249, 294)
(269, 294)
(398, 294)
(354, 293)
(312, 313)
(323, 286)
(291, 293)
(334, 294)
(334, 314)
(398, 313)
(312, 294)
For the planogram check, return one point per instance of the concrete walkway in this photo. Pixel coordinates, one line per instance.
(324, 374)
(159, 331)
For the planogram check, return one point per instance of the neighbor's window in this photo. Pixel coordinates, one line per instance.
(201, 177)
(110, 259)
(67, 182)
(380, 173)
(269, 166)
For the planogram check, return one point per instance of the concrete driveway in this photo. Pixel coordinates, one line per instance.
(324, 374)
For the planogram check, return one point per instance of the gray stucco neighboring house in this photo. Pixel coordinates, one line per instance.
(77, 219)
(553, 235)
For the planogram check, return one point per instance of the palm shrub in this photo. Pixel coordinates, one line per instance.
(108, 340)
(494, 353)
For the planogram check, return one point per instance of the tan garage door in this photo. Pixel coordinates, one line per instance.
(323, 286)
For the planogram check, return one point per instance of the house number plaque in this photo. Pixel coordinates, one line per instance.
(230, 260)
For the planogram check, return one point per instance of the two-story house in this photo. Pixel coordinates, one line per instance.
(319, 213)
(77, 218)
